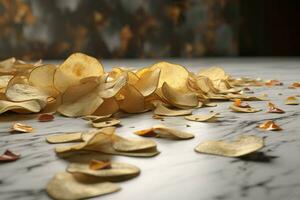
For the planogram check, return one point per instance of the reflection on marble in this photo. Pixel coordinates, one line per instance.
(179, 172)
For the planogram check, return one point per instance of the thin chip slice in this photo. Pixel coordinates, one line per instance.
(164, 111)
(9, 156)
(106, 123)
(127, 145)
(203, 118)
(243, 110)
(116, 169)
(96, 118)
(269, 126)
(148, 82)
(65, 186)
(22, 128)
(46, 117)
(243, 145)
(292, 101)
(146, 132)
(273, 109)
(166, 132)
(22, 107)
(133, 101)
(63, 138)
(99, 164)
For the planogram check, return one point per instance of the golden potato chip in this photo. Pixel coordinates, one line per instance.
(116, 169)
(273, 109)
(22, 128)
(203, 118)
(240, 103)
(65, 137)
(165, 132)
(294, 85)
(42, 78)
(76, 67)
(96, 118)
(273, 83)
(270, 126)
(99, 164)
(243, 110)
(65, 186)
(46, 117)
(146, 132)
(291, 100)
(133, 100)
(110, 89)
(127, 145)
(25, 106)
(214, 73)
(108, 107)
(148, 82)
(9, 156)
(106, 123)
(164, 111)
(4, 81)
(179, 99)
(243, 145)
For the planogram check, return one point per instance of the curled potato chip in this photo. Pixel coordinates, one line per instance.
(99, 164)
(291, 100)
(4, 80)
(203, 118)
(243, 110)
(22, 128)
(108, 107)
(148, 82)
(106, 123)
(65, 137)
(65, 186)
(116, 169)
(23, 107)
(133, 101)
(146, 132)
(164, 111)
(127, 145)
(243, 145)
(270, 126)
(9, 156)
(76, 67)
(179, 99)
(273, 109)
(110, 89)
(214, 73)
(45, 117)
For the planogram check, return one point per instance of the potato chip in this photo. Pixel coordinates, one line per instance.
(243, 145)
(291, 100)
(294, 85)
(273, 83)
(203, 118)
(273, 109)
(270, 126)
(110, 89)
(157, 117)
(240, 103)
(106, 123)
(165, 132)
(45, 117)
(67, 186)
(22, 107)
(133, 101)
(148, 82)
(108, 107)
(22, 128)
(116, 169)
(96, 118)
(243, 110)
(99, 164)
(127, 145)
(65, 137)
(214, 73)
(179, 99)
(9, 156)
(164, 111)
(4, 80)
(76, 67)
(146, 132)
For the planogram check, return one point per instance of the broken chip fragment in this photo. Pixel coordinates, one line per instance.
(291, 100)
(22, 128)
(9, 156)
(212, 117)
(269, 126)
(272, 108)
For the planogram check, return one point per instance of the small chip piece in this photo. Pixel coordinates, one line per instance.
(269, 126)
(273, 109)
(243, 110)
(45, 117)
(22, 128)
(294, 85)
(65, 186)
(292, 100)
(9, 156)
(114, 169)
(66, 137)
(99, 164)
(108, 122)
(203, 118)
(240, 103)
(243, 145)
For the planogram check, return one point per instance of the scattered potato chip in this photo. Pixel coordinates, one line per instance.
(273, 83)
(240, 103)
(294, 85)
(274, 109)
(164, 111)
(21, 107)
(127, 145)
(116, 169)
(22, 128)
(243, 110)
(65, 137)
(146, 132)
(9, 156)
(270, 126)
(66, 186)
(243, 145)
(108, 122)
(95, 118)
(99, 164)
(203, 118)
(291, 100)
(46, 117)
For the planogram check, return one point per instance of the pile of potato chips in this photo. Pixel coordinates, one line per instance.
(80, 87)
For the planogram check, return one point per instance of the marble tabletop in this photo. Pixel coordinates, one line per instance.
(178, 172)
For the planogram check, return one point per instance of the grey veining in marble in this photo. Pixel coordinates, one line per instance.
(179, 172)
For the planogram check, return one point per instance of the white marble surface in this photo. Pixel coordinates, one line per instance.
(178, 172)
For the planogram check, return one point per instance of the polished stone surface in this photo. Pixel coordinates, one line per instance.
(179, 172)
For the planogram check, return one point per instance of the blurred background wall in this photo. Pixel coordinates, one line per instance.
(53, 29)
